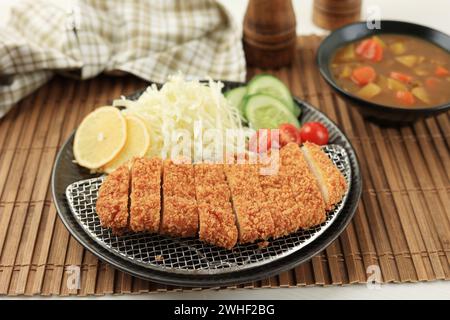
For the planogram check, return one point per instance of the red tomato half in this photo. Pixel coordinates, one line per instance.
(314, 132)
(261, 141)
(289, 133)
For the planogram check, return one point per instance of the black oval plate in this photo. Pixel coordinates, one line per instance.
(65, 172)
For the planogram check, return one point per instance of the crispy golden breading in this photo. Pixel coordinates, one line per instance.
(304, 186)
(280, 201)
(211, 183)
(180, 212)
(224, 204)
(254, 221)
(180, 217)
(145, 195)
(112, 202)
(332, 182)
(216, 217)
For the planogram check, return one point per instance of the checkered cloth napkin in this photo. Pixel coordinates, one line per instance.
(148, 38)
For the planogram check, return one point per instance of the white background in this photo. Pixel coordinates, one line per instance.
(432, 13)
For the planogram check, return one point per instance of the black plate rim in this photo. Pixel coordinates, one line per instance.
(326, 74)
(248, 275)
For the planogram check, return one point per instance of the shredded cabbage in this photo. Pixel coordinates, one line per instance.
(176, 107)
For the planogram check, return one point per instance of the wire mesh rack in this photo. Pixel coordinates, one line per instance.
(189, 255)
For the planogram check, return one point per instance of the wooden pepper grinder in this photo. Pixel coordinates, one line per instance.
(269, 33)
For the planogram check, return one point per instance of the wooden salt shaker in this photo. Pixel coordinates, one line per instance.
(332, 14)
(269, 33)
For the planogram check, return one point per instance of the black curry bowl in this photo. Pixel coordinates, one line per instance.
(383, 114)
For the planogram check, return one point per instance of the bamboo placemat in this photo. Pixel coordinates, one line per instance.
(402, 224)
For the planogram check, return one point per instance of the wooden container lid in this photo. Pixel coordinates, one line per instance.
(332, 14)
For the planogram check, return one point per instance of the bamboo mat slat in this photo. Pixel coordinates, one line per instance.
(402, 225)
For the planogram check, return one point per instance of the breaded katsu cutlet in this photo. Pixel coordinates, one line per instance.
(254, 221)
(179, 212)
(216, 217)
(303, 185)
(223, 204)
(280, 201)
(145, 195)
(331, 181)
(112, 202)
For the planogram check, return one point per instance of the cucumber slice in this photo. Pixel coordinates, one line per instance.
(266, 112)
(235, 97)
(271, 85)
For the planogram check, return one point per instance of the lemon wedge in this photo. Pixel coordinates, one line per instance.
(136, 145)
(100, 137)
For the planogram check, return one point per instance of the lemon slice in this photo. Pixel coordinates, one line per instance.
(136, 145)
(149, 152)
(100, 137)
(154, 146)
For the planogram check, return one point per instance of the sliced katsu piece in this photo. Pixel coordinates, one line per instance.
(145, 195)
(280, 201)
(331, 181)
(216, 217)
(303, 186)
(253, 219)
(180, 213)
(112, 202)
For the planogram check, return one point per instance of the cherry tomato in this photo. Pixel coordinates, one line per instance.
(261, 141)
(314, 132)
(289, 133)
